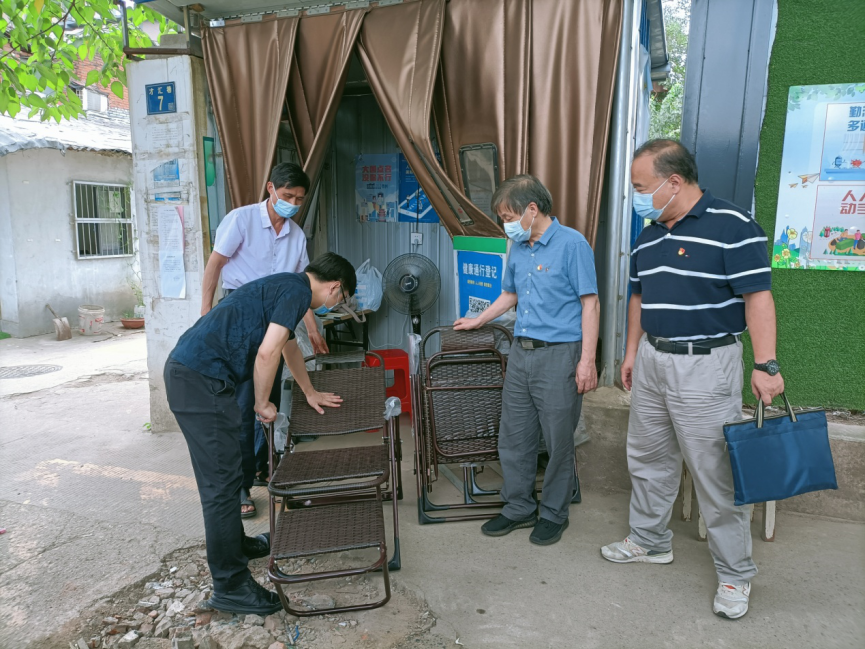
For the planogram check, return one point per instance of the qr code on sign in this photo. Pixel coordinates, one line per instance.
(476, 304)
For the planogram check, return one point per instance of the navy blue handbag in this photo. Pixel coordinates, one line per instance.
(780, 456)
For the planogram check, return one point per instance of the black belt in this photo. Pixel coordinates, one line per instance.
(226, 291)
(531, 343)
(695, 347)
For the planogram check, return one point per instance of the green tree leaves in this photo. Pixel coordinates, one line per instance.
(41, 40)
(665, 117)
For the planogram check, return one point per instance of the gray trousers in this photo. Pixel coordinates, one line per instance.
(540, 396)
(679, 404)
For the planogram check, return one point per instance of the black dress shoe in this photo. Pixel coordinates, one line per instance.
(255, 547)
(248, 598)
(501, 525)
(546, 532)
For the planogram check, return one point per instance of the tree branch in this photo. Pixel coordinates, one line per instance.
(12, 50)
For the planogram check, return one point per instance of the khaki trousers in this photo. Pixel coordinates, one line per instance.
(679, 404)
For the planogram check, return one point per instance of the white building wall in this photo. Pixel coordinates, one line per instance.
(38, 258)
(8, 275)
(157, 139)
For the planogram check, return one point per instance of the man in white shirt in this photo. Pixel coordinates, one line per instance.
(252, 242)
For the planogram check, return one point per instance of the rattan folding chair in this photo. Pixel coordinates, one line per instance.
(324, 530)
(328, 498)
(458, 393)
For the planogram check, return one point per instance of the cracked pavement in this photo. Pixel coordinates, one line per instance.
(91, 501)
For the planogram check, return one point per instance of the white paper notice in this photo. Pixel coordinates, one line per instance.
(172, 273)
(165, 135)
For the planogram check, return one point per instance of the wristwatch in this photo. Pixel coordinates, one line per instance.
(770, 367)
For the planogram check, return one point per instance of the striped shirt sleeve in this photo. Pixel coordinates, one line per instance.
(636, 287)
(746, 260)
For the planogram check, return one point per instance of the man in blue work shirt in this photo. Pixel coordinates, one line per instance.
(550, 278)
(242, 339)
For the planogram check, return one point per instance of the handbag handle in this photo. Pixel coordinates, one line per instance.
(786, 403)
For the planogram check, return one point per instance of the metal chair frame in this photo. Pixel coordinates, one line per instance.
(303, 497)
(280, 578)
(429, 451)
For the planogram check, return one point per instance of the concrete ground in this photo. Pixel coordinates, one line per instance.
(91, 500)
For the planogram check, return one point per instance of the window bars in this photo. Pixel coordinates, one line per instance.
(103, 220)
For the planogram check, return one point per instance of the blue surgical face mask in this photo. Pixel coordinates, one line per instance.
(284, 209)
(515, 231)
(645, 208)
(324, 309)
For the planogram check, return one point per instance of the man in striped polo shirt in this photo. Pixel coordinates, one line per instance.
(700, 276)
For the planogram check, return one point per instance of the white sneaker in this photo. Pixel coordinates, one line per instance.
(731, 601)
(629, 552)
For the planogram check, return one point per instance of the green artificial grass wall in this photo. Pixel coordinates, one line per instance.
(821, 314)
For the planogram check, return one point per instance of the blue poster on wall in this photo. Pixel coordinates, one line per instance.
(479, 280)
(414, 206)
(375, 188)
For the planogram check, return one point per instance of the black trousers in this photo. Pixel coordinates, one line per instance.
(207, 412)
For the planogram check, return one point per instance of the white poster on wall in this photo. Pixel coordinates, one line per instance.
(820, 222)
(172, 272)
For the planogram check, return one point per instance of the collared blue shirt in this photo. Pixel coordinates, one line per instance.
(549, 279)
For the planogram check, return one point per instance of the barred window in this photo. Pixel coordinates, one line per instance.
(103, 220)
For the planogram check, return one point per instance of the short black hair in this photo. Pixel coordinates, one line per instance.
(290, 175)
(517, 192)
(330, 267)
(671, 157)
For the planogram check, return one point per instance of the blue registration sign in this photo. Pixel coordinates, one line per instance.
(479, 280)
(161, 98)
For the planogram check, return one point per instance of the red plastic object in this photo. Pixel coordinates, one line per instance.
(395, 360)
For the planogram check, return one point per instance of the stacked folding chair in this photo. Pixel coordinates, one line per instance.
(458, 395)
(324, 502)
(457, 392)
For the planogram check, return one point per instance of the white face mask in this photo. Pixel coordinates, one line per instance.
(515, 231)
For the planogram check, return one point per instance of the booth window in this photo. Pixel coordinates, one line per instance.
(480, 168)
(103, 220)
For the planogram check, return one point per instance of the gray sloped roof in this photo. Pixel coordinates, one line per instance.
(97, 132)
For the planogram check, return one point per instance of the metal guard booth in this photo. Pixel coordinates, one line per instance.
(556, 89)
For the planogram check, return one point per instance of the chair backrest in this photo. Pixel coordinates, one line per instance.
(452, 340)
(463, 391)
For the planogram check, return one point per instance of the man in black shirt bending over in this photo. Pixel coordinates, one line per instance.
(242, 337)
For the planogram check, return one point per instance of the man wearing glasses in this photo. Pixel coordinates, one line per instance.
(241, 339)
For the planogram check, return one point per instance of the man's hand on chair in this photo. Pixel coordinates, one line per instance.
(466, 324)
(327, 399)
(266, 412)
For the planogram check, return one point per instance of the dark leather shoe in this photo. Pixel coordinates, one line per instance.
(501, 525)
(256, 547)
(250, 597)
(546, 532)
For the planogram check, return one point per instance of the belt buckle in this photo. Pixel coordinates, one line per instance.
(526, 344)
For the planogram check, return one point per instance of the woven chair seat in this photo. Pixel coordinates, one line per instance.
(340, 358)
(331, 528)
(363, 394)
(298, 472)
